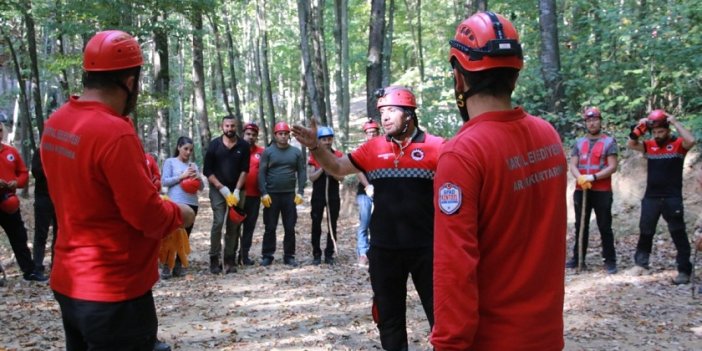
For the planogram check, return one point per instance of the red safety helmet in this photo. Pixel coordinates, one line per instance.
(657, 119)
(190, 185)
(592, 112)
(111, 50)
(236, 215)
(395, 95)
(281, 127)
(485, 41)
(252, 126)
(10, 203)
(370, 125)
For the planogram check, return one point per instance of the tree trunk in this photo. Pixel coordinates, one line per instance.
(220, 66)
(387, 46)
(302, 9)
(374, 68)
(550, 59)
(265, 72)
(233, 85)
(318, 58)
(473, 6)
(161, 87)
(63, 81)
(419, 40)
(34, 66)
(25, 120)
(259, 86)
(199, 82)
(342, 77)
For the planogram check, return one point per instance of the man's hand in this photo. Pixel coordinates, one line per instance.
(175, 244)
(12, 185)
(230, 198)
(585, 180)
(306, 136)
(298, 199)
(370, 190)
(266, 201)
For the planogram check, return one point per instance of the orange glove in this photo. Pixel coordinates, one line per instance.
(266, 201)
(175, 244)
(637, 131)
(298, 199)
(585, 181)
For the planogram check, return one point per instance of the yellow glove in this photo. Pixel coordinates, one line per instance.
(585, 181)
(175, 244)
(298, 199)
(164, 197)
(231, 198)
(266, 201)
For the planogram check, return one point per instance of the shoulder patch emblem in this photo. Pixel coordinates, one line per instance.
(257, 156)
(449, 198)
(11, 157)
(669, 147)
(417, 154)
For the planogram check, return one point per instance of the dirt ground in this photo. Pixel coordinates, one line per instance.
(328, 307)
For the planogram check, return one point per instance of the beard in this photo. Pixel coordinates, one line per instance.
(660, 141)
(594, 132)
(230, 134)
(130, 106)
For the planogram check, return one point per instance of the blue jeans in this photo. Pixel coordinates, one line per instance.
(365, 206)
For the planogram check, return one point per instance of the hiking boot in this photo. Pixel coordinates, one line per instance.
(573, 263)
(166, 273)
(291, 261)
(329, 260)
(229, 268)
(246, 261)
(215, 265)
(317, 261)
(681, 278)
(363, 261)
(161, 346)
(266, 261)
(610, 267)
(38, 277)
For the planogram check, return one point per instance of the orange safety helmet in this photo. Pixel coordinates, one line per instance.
(370, 125)
(485, 41)
(111, 50)
(236, 215)
(190, 185)
(10, 203)
(281, 127)
(592, 112)
(395, 95)
(657, 119)
(252, 126)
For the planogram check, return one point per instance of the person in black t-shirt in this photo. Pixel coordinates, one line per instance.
(666, 156)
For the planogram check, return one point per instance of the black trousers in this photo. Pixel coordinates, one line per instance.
(389, 270)
(44, 217)
(601, 203)
(282, 204)
(251, 208)
(671, 208)
(105, 326)
(13, 225)
(317, 214)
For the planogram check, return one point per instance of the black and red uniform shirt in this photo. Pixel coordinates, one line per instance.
(403, 179)
(665, 167)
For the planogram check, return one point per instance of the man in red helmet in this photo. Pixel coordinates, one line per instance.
(593, 160)
(282, 167)
(111, 217)
(364, 199)
(663, 197)
(226, 166)
(498, 257)
(401, 168)
(252, 204)
(14, 175)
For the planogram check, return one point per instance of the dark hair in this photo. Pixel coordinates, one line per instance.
(228, 117)
(108, 79)
(181, 141)
(497, 82)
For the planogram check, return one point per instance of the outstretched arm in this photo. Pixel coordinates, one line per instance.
(337, 166)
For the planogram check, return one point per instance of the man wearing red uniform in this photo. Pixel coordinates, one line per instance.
(253, 194)
(400, 166)
(500, 225)
(154, 171)
(666, 157)
(593, 160)
(111, 218)
(14, 175)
